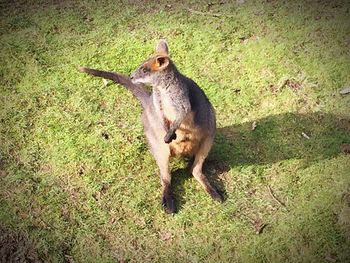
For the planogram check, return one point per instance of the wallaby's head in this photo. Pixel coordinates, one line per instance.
(153, 70)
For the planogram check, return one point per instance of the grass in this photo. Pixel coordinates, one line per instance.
(78, 182)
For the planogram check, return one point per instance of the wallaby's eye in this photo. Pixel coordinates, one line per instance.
(144, 70)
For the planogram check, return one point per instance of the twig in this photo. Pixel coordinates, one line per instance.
(259, 227)
(257, 224)
(274, 197)
(305, 135)
(207, 13)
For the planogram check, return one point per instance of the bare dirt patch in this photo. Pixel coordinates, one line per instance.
(16, 247)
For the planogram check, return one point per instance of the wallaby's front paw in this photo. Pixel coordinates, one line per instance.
(170, 135)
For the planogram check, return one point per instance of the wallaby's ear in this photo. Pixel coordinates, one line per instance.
(162, 47)
(160, 63)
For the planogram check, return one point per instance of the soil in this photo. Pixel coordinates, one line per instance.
(16, 247)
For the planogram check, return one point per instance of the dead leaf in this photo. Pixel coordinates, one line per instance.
(253, 125)
(105, 82)
(105, 135)
(247, 39)
(344, 124)
(294, 84)
(345, 148)
(81, 169)
(344, 91)
(165, 236)
(259, 226)
(69, 258)
(330, 258)
(97, 196)
(88, 18)
(236, 90)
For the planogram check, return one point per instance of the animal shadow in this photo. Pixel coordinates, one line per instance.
(309, 137)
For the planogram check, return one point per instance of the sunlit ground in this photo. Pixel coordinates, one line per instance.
(77, 182)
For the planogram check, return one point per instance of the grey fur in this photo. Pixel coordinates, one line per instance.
(162, 47)
(177, 118)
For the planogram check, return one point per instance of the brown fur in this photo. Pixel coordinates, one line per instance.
(187, 139)
(178, 118)
(157, 62)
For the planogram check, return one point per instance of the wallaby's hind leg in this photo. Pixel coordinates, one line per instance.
(165, 178)
(162, 154)
(197, 170)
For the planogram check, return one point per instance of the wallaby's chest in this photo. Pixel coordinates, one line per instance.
(165, 106)
(188, 135)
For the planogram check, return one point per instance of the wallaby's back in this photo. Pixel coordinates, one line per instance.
(204, 113)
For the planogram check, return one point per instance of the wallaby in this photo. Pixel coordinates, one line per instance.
(177, 116)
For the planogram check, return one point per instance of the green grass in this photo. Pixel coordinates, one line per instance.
(80, 197)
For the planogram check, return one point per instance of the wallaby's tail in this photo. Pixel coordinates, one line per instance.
(138, 90)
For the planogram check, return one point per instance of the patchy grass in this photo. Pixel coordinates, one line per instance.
(78, 182)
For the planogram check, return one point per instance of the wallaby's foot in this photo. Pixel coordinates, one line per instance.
(170, 135)
(216, 195)
(168, 203)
